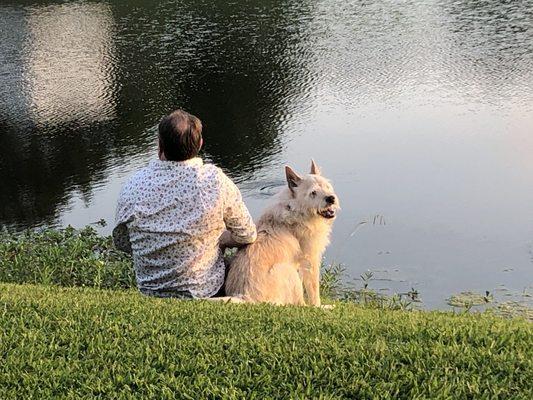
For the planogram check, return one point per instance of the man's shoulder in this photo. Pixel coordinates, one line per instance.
(142, 175)
(224, 182)
(214, 172)
(207, 166)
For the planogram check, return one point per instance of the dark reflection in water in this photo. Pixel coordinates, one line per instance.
(57, 106)
(86, 82)
(420, 112)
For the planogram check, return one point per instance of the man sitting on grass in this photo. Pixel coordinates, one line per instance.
(173, 214)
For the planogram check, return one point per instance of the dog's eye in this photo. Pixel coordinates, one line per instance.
(313, 193)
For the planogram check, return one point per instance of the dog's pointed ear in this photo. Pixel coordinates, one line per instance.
(314, 168)
(292, 177)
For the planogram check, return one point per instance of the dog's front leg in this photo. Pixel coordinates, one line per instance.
(311, 280)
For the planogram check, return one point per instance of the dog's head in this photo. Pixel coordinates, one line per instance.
(313, 194)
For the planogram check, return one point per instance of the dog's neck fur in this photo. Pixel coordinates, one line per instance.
(306, 227)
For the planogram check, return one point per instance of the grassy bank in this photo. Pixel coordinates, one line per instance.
(72, 257)
(66, 257)
(84, 341)
(61, 342)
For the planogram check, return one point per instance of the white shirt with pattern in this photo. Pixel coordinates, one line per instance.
(175, 213)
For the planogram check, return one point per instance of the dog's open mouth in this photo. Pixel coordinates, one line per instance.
(327, 213)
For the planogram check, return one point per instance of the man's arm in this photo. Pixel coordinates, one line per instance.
(124, 215)
(121, 238)
(239, 223)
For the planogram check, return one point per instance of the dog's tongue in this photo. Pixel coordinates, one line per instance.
(328, 213)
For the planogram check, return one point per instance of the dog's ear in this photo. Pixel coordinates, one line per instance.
(292, 177)
(314, 168)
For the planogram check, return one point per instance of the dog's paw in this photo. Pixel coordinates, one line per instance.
(327, 306)
(236, 300)
(227, 299)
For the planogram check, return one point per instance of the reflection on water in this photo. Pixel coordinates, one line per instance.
(68, 68)
(57, 99)
(418, 111)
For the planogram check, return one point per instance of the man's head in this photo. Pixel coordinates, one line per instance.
(180, 136)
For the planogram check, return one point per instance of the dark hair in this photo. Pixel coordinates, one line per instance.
(180, 136)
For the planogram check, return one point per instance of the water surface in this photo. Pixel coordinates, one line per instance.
(421, 113)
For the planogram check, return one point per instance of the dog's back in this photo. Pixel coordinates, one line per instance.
(267, 270)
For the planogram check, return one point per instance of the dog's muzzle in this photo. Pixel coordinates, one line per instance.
(327, 213)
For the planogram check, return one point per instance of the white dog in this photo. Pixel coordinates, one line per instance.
(292, 236)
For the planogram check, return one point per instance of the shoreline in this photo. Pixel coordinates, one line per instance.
(81, 257)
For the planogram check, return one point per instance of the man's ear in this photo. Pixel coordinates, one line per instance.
(314, 168)
(160, 151)
(292, 178)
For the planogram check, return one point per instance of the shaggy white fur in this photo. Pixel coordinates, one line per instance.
(284, 261)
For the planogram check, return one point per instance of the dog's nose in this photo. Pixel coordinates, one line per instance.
(330, 199)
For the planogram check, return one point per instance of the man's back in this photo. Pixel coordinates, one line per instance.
(175, 212)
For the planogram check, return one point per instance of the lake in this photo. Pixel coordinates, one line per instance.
(420, 112)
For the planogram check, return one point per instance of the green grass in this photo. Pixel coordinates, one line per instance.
(80, 257)
(66, 257)
(72, 257)
(84, 342)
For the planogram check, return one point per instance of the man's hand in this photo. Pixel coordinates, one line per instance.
(226, 240)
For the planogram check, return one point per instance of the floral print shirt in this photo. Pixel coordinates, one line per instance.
(170, 216)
